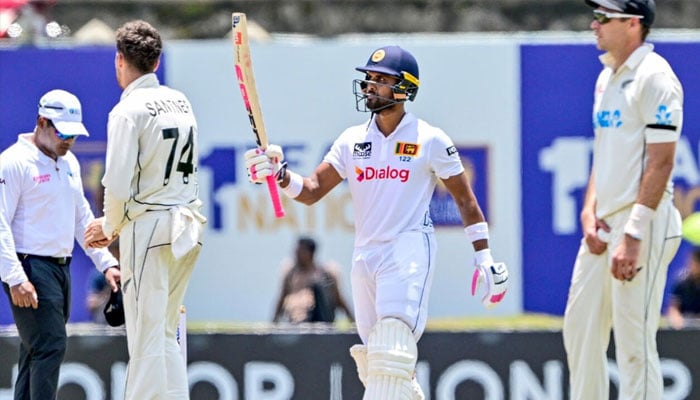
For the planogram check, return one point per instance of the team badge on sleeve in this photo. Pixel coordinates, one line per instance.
(452, 150)
(663, 116)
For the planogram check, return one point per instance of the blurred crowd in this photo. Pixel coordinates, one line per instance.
(28, 19)
(36, 20)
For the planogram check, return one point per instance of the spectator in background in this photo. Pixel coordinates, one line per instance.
(310, 291)
(39, 14)
(684, 302)
(684, 305)
(98, 292)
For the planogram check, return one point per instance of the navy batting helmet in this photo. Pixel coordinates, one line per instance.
(395, 61)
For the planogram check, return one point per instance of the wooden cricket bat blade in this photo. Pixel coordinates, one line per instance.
(243, 65)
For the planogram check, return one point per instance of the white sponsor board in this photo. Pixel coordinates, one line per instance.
(468, 88)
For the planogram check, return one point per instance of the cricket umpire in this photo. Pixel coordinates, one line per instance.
(631, 228)
(43, 211)
(392, 163)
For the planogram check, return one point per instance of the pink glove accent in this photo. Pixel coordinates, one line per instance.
(475, 280)
(495, 279)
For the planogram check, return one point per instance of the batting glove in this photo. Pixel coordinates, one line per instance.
(494, 276)
(262, 163)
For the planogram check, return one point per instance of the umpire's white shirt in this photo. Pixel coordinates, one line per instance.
(152, 155)
(640, 103)
(43, 209)
(392, 178)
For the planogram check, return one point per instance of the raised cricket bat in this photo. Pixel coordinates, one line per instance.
(246, 82)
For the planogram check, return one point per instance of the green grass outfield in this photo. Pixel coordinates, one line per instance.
(520, 323)
(524, 322)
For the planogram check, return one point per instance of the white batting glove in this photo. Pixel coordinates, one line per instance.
(262, 163)
(493, 275)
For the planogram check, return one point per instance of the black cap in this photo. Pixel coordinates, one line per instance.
(643, 8)
(114, 309)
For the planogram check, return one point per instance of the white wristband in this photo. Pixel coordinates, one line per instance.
(477, 231)
(296, 184)
(638, 221)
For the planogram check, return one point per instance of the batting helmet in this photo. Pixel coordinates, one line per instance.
(395, 61)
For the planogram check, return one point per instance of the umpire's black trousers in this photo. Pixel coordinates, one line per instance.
(42, 331)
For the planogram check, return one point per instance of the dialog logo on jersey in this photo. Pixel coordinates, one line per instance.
(406, 149)
(452, 150)
(362, 150)
(371, 173)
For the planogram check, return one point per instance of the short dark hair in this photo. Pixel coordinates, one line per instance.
(696, 254)
(141, 45)
(307, 243)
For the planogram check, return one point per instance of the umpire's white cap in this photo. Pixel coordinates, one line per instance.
(64, 111)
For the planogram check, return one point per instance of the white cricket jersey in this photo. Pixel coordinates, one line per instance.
(152, 153)
(639, 104)
(392, 178)
(43, 209)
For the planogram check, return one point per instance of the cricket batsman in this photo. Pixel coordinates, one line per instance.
(392, 163)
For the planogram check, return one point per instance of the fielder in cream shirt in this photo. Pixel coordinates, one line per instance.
(630, 225)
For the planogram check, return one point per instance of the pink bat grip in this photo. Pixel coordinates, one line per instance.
(274, 194)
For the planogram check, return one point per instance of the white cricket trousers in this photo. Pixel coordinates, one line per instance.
(598, 302)
(153, 285)
(393, 279)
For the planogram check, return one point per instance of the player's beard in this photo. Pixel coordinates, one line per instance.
(376, 103)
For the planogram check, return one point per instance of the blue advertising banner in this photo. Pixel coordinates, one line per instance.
(556, 96)
(443, 210)
(557, 130)
(88, 72)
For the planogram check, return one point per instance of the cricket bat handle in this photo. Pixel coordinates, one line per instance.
(274, 194)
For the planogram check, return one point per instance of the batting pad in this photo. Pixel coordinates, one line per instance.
(359, 354)
(391, 361)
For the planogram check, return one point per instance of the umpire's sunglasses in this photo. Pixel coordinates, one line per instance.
(603, 17)
(60, 135)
